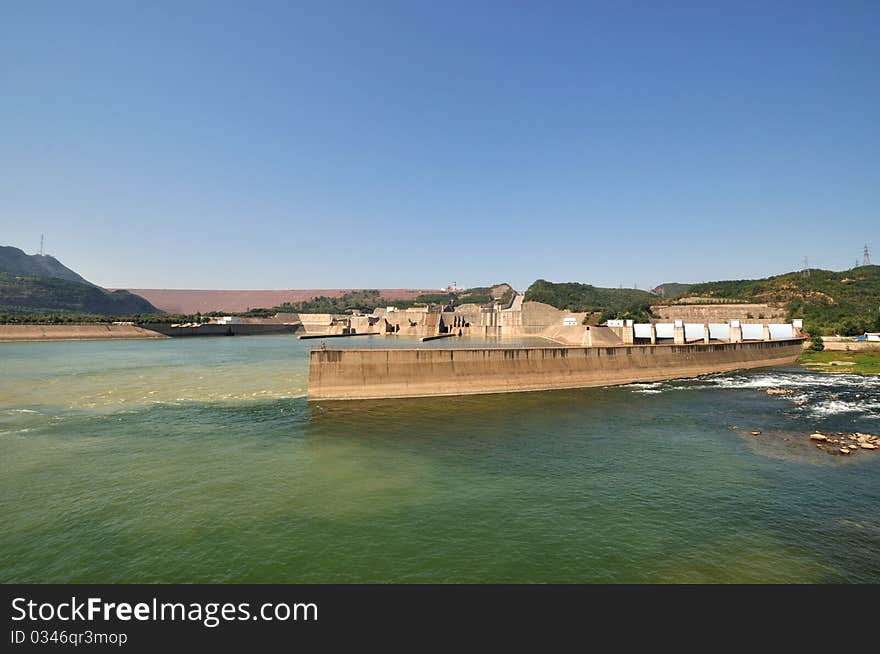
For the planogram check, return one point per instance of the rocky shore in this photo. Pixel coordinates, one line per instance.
(836, 443)
(843, 443)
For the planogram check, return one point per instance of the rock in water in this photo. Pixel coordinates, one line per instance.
(867, 446)
(756, 433)
(818, 437)
(779, 391)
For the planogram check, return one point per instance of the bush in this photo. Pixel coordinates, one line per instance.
(816, 343)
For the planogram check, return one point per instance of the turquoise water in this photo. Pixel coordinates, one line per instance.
(199, 460)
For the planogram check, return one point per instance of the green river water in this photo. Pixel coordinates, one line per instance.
(199, 460)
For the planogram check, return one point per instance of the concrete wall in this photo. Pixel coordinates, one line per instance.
(540, 315)
(316, 319)
(214, 329)
(323, 323)
(533, 319)
(704, 313)
(368, 374)
(849, 346)
(416, 321)
(11, 333)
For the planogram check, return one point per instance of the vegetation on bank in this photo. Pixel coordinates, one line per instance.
(626, 303)
(866, 362)
(845, 303)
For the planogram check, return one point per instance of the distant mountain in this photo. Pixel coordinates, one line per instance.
(35, 284)
(17, 262)
(672, 290)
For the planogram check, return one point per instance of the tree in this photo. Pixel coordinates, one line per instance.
(816, 343)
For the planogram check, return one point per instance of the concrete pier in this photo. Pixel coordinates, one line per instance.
(438, 336)
(678, 333)
(736, 332)
(308, 336)
(373, 374)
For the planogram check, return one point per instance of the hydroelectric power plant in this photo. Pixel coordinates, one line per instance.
(619, 352)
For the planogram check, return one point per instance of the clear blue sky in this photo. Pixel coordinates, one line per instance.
(388, 144)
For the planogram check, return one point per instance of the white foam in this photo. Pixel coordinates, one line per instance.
(795, 380)
(834, 407)
(814, 394)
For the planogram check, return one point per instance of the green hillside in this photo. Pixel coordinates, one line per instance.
(845, 303)
(41, 286)
(27, 294)
(17, 262)
(611, 302)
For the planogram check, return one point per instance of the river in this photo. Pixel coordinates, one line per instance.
(199, 460)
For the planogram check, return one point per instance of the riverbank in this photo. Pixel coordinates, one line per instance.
(864, 362)
(97, 331)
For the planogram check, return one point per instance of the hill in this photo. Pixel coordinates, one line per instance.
(29, 294)
(34, 284)
(17, 262)
(611, 302)
(830, 302)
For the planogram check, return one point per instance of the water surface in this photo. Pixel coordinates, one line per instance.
(199, 460)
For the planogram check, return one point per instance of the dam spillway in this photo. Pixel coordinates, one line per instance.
(397, 373)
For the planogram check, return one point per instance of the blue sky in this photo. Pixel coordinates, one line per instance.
(410, 144)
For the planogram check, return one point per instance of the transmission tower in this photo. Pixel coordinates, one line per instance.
(41, 245)
(806, 271)
(866, 258)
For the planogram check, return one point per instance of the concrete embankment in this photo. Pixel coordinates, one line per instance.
(23, 333)
(215, 329)
(372, 374)
(838, 344)
(304, 337)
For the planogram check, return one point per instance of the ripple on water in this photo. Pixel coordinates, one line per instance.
(239, 482)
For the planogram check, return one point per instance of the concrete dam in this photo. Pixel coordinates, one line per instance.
(374, 374)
